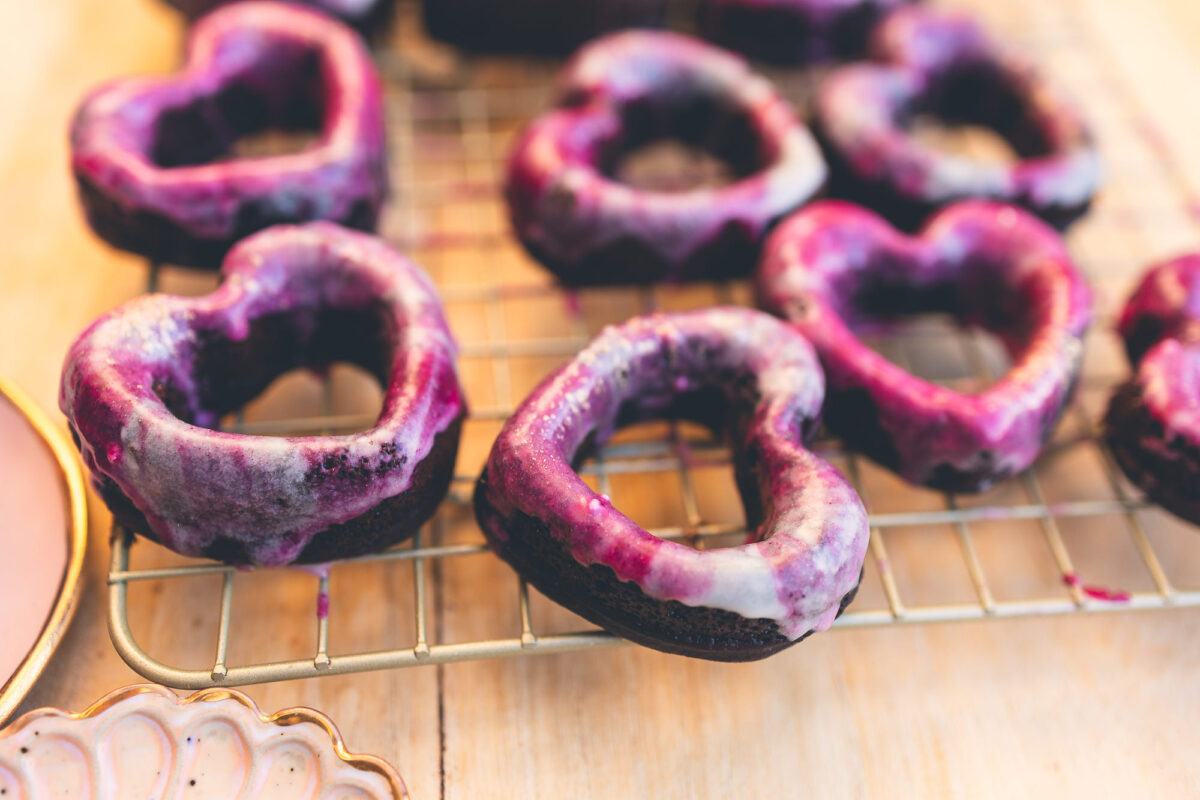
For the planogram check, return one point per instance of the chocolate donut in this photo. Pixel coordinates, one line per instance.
(366, 16)
(834, 268)
(149, 154)
(631, 88)
(546, 27)
(793, 31)
(946, 66)
(145, 384)
(1153, 421)
(729, 368)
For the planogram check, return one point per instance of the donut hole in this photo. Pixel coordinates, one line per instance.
(693, 144)
(276, 106)
(964, 333)
(976, 111)
(225, 374)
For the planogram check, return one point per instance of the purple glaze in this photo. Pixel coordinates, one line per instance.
(271, 494)
(243, 59)
(861, 111)
(566, 210)
(365, 15)
(794, 31)
(1002, 268)
(795, 569)
(1161, 328)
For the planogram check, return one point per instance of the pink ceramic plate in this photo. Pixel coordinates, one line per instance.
(43, 532)
(144, 742)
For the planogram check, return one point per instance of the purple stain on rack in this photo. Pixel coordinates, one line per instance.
(573, 304)
(323, 605)
(1096, 592)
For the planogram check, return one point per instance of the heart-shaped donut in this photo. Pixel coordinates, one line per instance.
(945, 65)
(1153, 420)
(145, 384)
(833, 268)
(793, 31)
(365, 16)
(625, 90)
(733, 369)
(149, 154)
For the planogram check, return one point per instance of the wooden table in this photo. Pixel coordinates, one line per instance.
(1087, 706)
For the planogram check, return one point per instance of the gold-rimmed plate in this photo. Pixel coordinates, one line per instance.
(144, 741)
(43, 537)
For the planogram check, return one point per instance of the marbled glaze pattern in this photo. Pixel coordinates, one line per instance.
(1153, 421)
(804, 558)
(862, 112)
(249, 65)
(365, 15)
(271, 495)
(586, 226)
(834, 268)
(794, 31)
(143, 742)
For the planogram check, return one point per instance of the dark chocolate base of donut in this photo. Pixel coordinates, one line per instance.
(732, 254)
(904, 212)
(1167, 471)
(543, 27)
(783, 36)
(852, 416)
(388, 523)
(620, 607)
(163, 240)
(376, 20)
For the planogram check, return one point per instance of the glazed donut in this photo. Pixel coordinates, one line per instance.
(145, 384)
(147, 152)
(728, 368)
(834, 268)
(631, 88)
(945, 65)
(793, 31)
(1153, 425)
(366, 16)
(551, 27)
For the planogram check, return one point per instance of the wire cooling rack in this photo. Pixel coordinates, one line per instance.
(1035, 546)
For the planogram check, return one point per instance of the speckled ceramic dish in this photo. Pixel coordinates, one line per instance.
(43, 535)
(144, 741)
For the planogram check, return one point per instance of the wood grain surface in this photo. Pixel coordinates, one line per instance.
(1079, 706)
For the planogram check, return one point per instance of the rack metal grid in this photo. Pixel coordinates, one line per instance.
(450, 123)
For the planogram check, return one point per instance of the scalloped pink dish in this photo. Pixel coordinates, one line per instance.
(145, 742)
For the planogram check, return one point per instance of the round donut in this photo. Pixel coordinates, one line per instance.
(366, 16)
(1153, 421)
(794, 31)
(834, 268)
(550, 27)
(631, 88)
(147, 152)
(145, 384)
(945, 65)
(728, 368)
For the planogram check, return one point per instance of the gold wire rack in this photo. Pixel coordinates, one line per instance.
(451, 121)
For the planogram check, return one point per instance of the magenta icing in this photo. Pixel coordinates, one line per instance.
(565, 208)
(834, 268)
(245, 68)
(862, 110)
(794, 569)
(270, 494)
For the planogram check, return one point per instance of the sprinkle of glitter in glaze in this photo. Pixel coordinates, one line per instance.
(1004, 270)
(807, 554)
(190, 213)
(272, 495)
